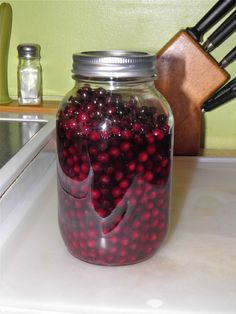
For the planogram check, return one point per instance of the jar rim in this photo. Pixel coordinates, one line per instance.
(114, 63)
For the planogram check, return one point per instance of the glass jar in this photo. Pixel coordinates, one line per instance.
(29, 75)
(114, 141)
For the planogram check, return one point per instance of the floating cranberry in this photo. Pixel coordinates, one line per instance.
(105, 179)
(159, 134)
(116, 192)
(116, 131)
(137, 127)
(124, 184)
(126, 134)
(76, 169)
(149, 176)
(161, 119)
(95, 194)
(100, 92)
(94, 136)
(132, 166)
(143, 156)
(103, 157)
(125, 146)
(114, 151)
(83, 117)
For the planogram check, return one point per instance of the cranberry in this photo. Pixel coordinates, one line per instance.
(114, 151)
(103, 157)
(95, 194)
(143, 156)
(83, 117)
(125, 146)
(151, 149)
(159, 134)
(149, 176)
(100, 92)
(116, 130)
(131, 166)
(94, 136)
(116, 192)
(124, 184)
(105, 179)
(137, 127)
(118, 175)
(85, 93)
(161, 119)
(126, 134)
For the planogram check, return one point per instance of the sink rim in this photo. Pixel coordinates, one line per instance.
(12, 169)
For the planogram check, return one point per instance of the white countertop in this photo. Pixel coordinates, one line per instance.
(194, 271)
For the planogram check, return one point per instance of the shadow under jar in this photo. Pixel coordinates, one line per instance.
(114, 142)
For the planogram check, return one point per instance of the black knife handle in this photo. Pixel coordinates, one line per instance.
(231, 85)
(223, 95)
(229, 58)
(221, 33)
(210, 105)
(211, 18)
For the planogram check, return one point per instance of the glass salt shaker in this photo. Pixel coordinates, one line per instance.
(29, 74)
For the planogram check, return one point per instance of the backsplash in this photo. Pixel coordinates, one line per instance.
(65, 27)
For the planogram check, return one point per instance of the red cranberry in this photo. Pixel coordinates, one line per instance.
(132, 166)
(148, 176)
(143, 156)
(124, 184)
(103, 157)
(116, 131)
(126, 134)
(161, 119)
(95, 194)
(118, 175)
(159, 134)
(83, 117)
(151, 149)
(114, 151)
(100, 92)
(164, 162)
(137, 127)
(116, 192)
(94, 136)
(105, 179)
(76, 169)
(125, 146)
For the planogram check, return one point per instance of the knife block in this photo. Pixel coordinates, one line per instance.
(187, 76)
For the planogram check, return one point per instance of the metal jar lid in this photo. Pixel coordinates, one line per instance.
(114, 63)
(28, 51)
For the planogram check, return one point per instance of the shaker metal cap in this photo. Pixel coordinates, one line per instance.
(28, 51)
(114, 63)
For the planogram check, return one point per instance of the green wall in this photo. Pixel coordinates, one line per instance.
(64, 27)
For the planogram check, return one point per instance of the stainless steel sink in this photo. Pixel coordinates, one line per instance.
(14, 134)
(21, 138)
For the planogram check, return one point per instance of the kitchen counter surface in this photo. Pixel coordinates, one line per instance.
(194, 271)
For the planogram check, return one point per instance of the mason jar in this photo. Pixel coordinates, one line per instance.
(114, 145)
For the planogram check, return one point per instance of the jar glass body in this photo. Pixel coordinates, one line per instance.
(114, 141)
(29, 81)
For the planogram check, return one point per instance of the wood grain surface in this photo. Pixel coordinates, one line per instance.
(47, 107)
(187, 76)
